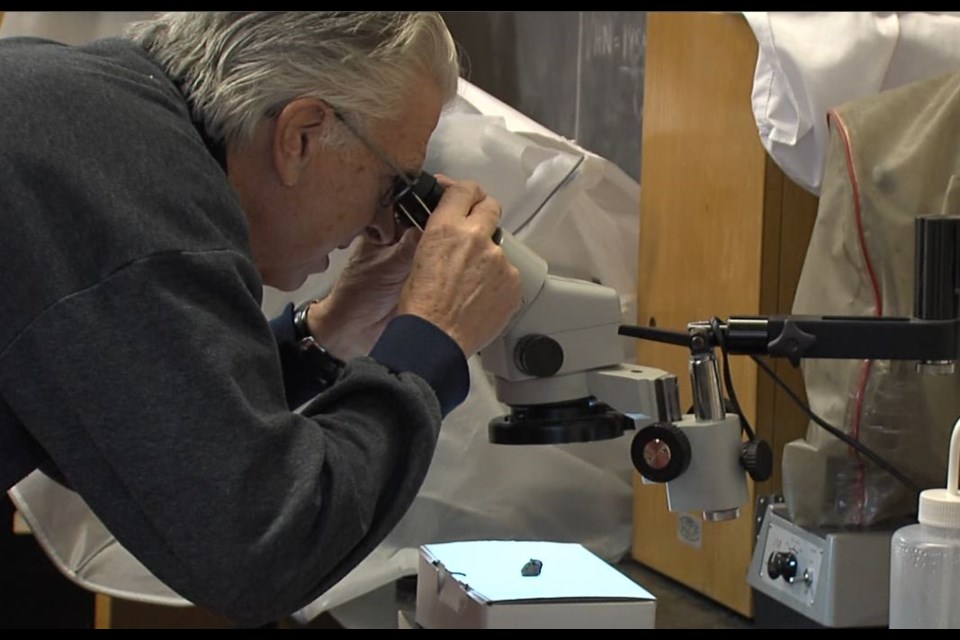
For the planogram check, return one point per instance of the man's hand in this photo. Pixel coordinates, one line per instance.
(460, 280)
(351, 318)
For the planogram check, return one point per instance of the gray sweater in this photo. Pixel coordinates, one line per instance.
(134, 352)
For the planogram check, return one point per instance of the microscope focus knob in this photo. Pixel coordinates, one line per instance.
(756, 457)
(538, 355)
(660, 452)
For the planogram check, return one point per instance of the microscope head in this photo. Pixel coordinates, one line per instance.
(543, 365)
(564, 329)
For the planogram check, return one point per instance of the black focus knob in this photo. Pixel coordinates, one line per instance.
(660, 452)
(781, 563)
(538, 355)
(756, 457)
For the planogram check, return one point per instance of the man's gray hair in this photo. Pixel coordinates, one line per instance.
(239, 67)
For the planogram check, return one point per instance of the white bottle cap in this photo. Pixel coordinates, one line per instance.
(941, 507)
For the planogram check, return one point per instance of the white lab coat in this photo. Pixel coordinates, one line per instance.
(811, 61)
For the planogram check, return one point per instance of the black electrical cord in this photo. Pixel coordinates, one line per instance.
(728, 378)
(682, 339)
(880, 462)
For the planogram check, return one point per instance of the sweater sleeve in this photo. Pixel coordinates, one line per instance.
(159, 394)
(408, 344)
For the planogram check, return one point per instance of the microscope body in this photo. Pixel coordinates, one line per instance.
(558, 366)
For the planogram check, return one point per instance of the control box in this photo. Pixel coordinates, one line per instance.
(834, 578)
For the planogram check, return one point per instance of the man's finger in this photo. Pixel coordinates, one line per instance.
(458, 199)
(486, 216)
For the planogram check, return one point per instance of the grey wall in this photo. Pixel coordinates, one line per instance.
(579, 73)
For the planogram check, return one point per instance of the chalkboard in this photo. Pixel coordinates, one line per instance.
(578, 73)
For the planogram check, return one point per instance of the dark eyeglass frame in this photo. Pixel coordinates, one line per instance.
(402, 184)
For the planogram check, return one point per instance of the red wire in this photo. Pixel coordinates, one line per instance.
(865, 366)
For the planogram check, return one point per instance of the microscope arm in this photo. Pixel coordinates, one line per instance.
(929, 337)
(841, 337)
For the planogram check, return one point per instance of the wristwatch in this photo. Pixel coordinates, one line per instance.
(301, 329)
(326, 365)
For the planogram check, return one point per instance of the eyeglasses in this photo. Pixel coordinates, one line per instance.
(403, 184)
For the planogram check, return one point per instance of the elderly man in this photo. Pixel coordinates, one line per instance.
(151, 185)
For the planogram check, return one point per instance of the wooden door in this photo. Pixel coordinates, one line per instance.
(722, 232)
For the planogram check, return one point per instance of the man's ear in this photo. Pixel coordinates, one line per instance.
(297, 134)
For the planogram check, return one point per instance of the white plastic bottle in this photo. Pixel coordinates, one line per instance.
(925, 558)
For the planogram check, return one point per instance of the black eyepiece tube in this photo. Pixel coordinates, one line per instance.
(417, 203)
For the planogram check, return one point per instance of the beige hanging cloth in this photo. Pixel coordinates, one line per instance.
(892, 156)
